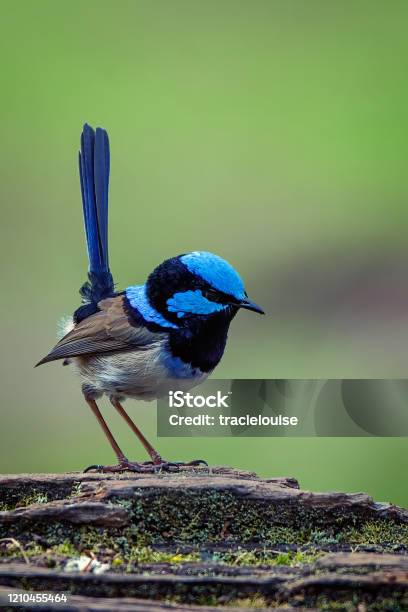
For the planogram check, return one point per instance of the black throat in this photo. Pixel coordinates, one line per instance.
(202, 342)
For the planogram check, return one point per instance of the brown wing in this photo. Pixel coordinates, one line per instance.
(106, 331)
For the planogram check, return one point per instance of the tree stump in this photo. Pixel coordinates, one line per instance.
(207, 537)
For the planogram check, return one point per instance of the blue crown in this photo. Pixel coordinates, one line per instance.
(216, 272)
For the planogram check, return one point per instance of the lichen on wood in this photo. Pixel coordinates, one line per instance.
(212, 537)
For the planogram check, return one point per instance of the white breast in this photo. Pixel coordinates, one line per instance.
(139, 374)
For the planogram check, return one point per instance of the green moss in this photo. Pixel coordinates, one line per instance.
(34, 497)
(211, 517)
(76, 489)
(240, 557)
(256, 601)
(377, 532)
(117, 562)
(122, 554)
(66, 549)
(125, 557)
(148, 530)
(287, 535)
(145, 554)
(246, 529)
(22, 495)
(14, 549)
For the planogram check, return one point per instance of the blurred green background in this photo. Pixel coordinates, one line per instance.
(273, 133)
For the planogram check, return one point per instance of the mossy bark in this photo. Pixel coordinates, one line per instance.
(209, 537)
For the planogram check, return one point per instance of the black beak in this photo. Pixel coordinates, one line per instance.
(248, 305)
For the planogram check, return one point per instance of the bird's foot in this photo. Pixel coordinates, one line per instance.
(175, 466)
(193, 463)
(132, 466)
(147, 467)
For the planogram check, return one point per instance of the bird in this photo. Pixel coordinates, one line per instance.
(168, 333)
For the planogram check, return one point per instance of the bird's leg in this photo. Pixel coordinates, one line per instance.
(156, 459)
(153, 454)
(123, 462)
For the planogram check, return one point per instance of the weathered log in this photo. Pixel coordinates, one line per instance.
(214, 536)
(90, 498)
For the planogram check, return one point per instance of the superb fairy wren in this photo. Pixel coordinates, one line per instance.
(169, 333)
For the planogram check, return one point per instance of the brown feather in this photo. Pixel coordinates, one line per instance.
(106, 331)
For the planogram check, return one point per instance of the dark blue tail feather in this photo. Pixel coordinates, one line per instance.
(94, 175)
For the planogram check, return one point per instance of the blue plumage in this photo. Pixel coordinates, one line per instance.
(101, 180)
(216, 272)
(192, 302)
(94, 166)
(177, 368)
(139, 301)
(168, 333)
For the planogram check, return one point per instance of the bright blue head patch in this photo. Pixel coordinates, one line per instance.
(216, 272)
(138, 299)
(192, 302)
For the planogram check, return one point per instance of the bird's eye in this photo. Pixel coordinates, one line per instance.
(212, 295)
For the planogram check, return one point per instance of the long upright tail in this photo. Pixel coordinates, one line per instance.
(94, 174)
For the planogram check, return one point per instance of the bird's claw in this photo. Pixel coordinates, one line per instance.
(96, 467)
(131, 466)
(147, 467)
(176, 464)
(160, 464)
